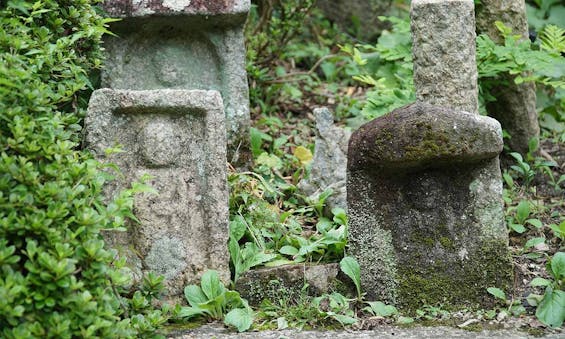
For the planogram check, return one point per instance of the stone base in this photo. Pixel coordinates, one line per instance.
(427, 227)
(286, 282)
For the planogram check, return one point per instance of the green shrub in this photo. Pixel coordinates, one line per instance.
(56, 277)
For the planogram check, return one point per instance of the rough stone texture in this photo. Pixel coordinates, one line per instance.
(130, 8)
(350, 13)
(286, 282)
(177, 137)
(425, 207)
(445, 71)
(183, 44)
(383, 332)
(422, 135)
(328, 169)
(515, 105)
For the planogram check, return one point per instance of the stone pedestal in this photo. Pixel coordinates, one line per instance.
(424, 188)
(178, 138)
(183, 44)
(425, 208)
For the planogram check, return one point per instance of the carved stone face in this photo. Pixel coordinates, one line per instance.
(160, 144)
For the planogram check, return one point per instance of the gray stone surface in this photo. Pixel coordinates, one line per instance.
(328, 168)
(425, 207)
(183, 44)
(362, 13)
(286, 282)
(178, 138)
(445, 71)
(424, 184)
(515, 105)
(385, 332)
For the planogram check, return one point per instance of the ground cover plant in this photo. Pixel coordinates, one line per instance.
(57, 279)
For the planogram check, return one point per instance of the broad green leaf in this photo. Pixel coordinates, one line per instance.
(232, 299)
(189, 312)
(269, 160)
(289, 250)
(194, 295)
(351, 268)
(381, 309)
(211, 284)
(240, 318)
(497, 292)
(303, 154)
(343, 319)
(540, 282)
(551, 310)
(558, 265)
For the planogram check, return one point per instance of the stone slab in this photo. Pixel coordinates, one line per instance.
(178, 138)
(382, 332)
(286, 282)
(183, 44)
(140, 8)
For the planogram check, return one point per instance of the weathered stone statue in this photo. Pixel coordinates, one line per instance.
(515, 105)
(183, 44)
(178, 138)
(424, 188)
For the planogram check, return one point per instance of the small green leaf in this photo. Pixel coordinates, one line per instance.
(211, 284)
(517, 228)
(351, 268)
(404, 320)
(522, 211)
(289, 250)
(381, 309)
(344, 319)
(190, 312)
(237, 227)
(303, 155)
(240, 318)
(534, 242)
(540, 282)
(558, 265)
(535, 222)
(497, 292)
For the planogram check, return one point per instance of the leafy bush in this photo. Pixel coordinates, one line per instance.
(388, 66)
(56, 277)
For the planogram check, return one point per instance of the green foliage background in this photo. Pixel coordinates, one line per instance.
(56, 277)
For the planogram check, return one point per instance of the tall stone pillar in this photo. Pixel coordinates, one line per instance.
(423, 182)
(515, 105)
